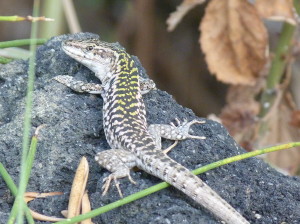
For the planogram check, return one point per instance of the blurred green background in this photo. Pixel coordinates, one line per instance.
(173, 59)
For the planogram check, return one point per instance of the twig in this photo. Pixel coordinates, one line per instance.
(71, 16)
(27, 18)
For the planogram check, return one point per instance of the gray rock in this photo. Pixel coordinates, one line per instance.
(74, 129)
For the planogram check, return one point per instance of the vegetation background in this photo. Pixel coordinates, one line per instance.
(173, 60)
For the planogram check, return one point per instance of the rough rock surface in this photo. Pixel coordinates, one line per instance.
(74, 129)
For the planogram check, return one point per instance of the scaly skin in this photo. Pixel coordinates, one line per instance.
(126, 129)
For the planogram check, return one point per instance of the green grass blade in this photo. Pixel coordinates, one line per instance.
(4, 60)
(21, 42)
(19, 200)
(31, 155)
(14, 190)
(12, 18)
(245, 156)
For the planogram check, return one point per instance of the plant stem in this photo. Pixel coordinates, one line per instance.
(277, 68)
(12, 186)
(11, 18)
(19, 200)
(4, 60)
(21, 42)
(245, 156)
(14, 190)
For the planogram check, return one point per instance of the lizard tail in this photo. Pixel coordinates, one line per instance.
(181, 178)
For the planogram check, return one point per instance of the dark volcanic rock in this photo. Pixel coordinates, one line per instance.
(74, 129)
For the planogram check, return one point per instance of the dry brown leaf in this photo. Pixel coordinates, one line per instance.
(29, 196)
(280, 131)
(78, 188)
(181, 10)
(45, 218)
(295, 119)
(281, 10)
(234, 41)
(239, 114)
(86, 207)
(64, 213)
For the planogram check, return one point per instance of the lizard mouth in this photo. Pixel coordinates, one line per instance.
(73, 52)
(79, 55)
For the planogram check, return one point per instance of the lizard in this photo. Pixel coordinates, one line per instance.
(133, 142)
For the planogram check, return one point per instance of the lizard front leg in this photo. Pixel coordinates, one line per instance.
(119, 162)
(146, 85)
(172, 132)
(79, 86)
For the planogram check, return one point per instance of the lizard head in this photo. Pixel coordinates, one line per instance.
(100, 57)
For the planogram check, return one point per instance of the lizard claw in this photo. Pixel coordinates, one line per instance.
(185, 126)
(106, 185)
(131, 180)
(173, 123)
(165, 151)
(113, 177)
(189, 124)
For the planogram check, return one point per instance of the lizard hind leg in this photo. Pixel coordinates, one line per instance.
(119, 162)
(177, 132)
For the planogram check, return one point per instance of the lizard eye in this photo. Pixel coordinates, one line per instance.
(89, 48)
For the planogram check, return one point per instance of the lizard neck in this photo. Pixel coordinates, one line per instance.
(123, 78)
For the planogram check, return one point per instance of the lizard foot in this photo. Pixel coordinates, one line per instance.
(119, 162)
(165, 151)
(184, 127)
(115, 178)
